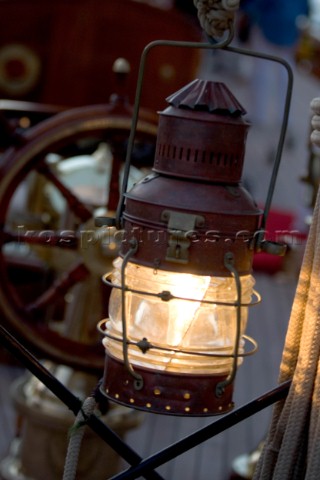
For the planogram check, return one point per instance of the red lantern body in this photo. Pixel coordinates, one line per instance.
(184, 219)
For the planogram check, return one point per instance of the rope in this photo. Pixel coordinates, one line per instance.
(215, 16)
(315, 122)
(76, 435)
(292, 448)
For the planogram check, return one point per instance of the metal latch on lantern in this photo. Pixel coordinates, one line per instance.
(267, 246)
(180, 226)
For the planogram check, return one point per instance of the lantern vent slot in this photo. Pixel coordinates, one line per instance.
(217, 159)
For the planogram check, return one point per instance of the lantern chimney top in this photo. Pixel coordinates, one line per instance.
(202, 134)
(207, 96)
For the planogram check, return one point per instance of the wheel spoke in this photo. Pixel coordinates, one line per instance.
(60, 287)
(73, 201)
(62, 239)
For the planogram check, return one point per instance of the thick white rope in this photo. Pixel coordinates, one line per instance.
(215, 16)
(76, 436)
(292, 448)
(315, 121)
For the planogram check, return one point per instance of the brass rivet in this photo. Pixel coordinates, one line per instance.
(148, 405)
(116, 395)
(131, 400)
(168, 407)
(107, 390)
(205, 410)
(157, 391)
(187, 396)
(220, 408)
(187, 409)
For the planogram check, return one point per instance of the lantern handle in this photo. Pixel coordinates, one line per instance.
(284, 125)
(212, 44)
(157, 43)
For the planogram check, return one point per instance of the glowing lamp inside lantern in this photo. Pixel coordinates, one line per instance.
(183, 323)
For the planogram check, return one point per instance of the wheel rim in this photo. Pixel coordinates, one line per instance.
(18, 165)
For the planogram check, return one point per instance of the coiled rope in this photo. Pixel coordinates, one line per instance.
(215, 16)
(292, 448)
(315, 122)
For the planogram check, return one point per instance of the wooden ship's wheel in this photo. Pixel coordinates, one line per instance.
(60, 175)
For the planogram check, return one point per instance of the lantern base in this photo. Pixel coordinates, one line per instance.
(166, 393)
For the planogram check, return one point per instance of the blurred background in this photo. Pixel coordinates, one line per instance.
(68, 74)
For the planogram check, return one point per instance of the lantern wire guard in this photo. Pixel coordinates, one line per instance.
(137, 384)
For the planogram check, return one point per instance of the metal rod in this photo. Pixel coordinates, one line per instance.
(70, 400)
(229, 264)
(285, 118)
(138, 380)
(254, 345)
(193, 440)
(160, 295)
